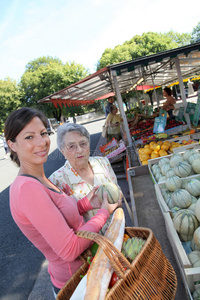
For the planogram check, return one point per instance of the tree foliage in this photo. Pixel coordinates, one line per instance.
(9, 99)
(142, 45)
(195, 33)
(45, 76)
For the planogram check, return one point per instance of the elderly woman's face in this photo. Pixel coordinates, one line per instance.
(76, 149)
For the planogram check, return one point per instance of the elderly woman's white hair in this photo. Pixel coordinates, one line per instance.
(70, 127)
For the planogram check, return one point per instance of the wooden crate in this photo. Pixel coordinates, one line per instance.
(151, 162)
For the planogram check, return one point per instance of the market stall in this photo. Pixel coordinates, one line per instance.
(158, 70)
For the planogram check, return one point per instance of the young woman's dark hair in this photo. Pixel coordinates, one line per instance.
(16, 122)
(168, 91)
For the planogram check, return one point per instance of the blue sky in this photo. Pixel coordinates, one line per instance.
(80, 30)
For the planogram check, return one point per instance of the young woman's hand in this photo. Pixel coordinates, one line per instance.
(110, 207)
(93, 198)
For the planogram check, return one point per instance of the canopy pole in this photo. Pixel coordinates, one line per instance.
(180, 79)
(155, 94)
(130, 149)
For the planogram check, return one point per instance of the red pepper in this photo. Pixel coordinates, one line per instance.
(113, 280)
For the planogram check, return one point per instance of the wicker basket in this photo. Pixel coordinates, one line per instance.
(149, 276)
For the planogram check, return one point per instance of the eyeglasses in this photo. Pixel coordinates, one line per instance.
(74, 147)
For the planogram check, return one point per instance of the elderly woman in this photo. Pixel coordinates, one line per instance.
(113, 122)
(80, 173)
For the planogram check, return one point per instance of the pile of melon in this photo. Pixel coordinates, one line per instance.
(184, 204)
(177, 165)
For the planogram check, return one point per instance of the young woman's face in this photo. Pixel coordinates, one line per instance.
(32, 143)
(76, 149)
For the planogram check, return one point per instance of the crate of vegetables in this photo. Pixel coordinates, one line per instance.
(190, 275)
(179, 199)
(180, 203)
(182, 164)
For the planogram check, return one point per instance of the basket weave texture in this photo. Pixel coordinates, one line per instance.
(149, 277)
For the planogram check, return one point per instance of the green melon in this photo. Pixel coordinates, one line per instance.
(187, 153)
(161, 178)
(112, 191)
(170, 173)
(185, 222)
(170, 203)
(197, 209)
(193, 157)
(196, 237)
(155, 168)
(175, 158)
(158, 175)
(163, 161)
(192, 207)
(182, 169)
(194, 199)
(181, 198)
(166, 194)
(174, 211)
(185, 237)
(194, 258)
(173, 183)
(193, 187)
(196, 165)
(193, 245)
(165, 168)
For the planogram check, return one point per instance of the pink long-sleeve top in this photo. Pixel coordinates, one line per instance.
(49, 220)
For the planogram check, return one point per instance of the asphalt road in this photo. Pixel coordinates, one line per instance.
(20, 261)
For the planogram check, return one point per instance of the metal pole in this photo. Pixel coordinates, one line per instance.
(180, 79)
(155, 94)
(121, 108)
(130, 145)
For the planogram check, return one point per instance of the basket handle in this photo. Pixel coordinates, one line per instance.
(118, 262)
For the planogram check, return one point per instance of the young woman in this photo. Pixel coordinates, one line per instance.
(46, 215)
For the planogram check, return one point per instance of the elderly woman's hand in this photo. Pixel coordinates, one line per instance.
(93, 198)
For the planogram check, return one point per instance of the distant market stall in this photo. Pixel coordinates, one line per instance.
(159, 69)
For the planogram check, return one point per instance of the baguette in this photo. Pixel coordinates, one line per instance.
(100, 271)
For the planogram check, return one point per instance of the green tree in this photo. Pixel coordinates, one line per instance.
(45, 76)
(142, 45)
(9, 99)
(195, 33)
